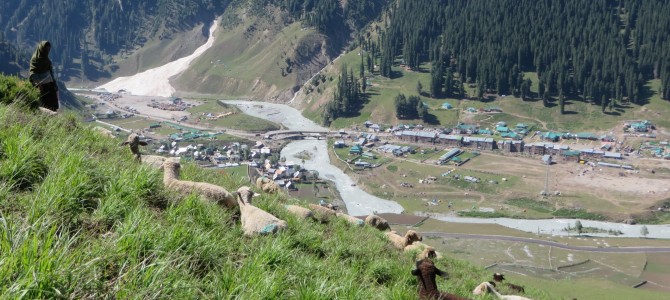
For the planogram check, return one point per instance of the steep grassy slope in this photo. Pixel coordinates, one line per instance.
(257, 58)
(80, 219)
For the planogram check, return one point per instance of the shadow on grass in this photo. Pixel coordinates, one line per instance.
(431, 119)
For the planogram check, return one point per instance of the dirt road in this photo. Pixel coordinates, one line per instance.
(549, 243)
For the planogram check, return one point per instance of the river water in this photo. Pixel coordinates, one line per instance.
(359, 202)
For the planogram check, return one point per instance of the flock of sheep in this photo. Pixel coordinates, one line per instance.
(255, 220)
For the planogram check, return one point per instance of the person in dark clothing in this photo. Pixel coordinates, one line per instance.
(42, 76)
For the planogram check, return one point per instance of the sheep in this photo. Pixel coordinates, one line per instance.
(104, 131)
(255, 220)
(133, 141)
(415, 246)
(498, 277)
(426, 271)
(428, 252)
(377, 222)
(267, 185)
(47, 111)
(401, 242)
(260, 181)
(490, 288)
(300, 211)
(270, 187)
(350, 219)
(322, 214)
(482, 288)
(209, 191)
(154, 161)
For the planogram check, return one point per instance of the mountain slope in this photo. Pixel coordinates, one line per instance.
(81, 219)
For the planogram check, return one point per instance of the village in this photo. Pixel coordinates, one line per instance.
(521, 139)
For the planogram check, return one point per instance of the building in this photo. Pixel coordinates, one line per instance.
(426, 137)
(479, 143)
(466, 129)
(546, 159)
(535, 148)
(502, 129)
(511, 146)
(449, 155)
(451, 140)
(570, 156)
(356, 149)
(551, 136)
(587, 136)
(591, 153)
(612, 155)
(339, 144)
(447, 105)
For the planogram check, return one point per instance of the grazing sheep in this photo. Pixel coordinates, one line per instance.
(415, 246)
(209, 191)
(498, 277)
(270, 187)
(134, 143)
(428, 252)
(491, 289)
(255, 220)
(300, 211)
(351, 219)
(260, 181)
(267, 185)
(400, 242)
(47, 111)
(322, 214)
(104, 131)
(426, 271)
(377, 222)
(482, 288)
(154, 161)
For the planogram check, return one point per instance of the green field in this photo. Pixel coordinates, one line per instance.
(237, 120)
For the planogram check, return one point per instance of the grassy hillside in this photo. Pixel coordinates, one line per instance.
(256, 58)
(81, 219)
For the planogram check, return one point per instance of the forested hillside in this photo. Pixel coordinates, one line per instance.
(89, 33)
(601, 51)
(10, 57)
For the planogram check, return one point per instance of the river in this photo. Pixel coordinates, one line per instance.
(359, 202)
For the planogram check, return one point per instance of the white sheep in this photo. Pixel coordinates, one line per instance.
(428, 252)
(377, 222)
(322, 214)
(255, 220)
(154, 161)
(104, 131)
(401, 242)
(47, 111)
(350, 219)
(260, 181)
(209, 191)
(267, 185)
(299, 211)
(490, 288)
